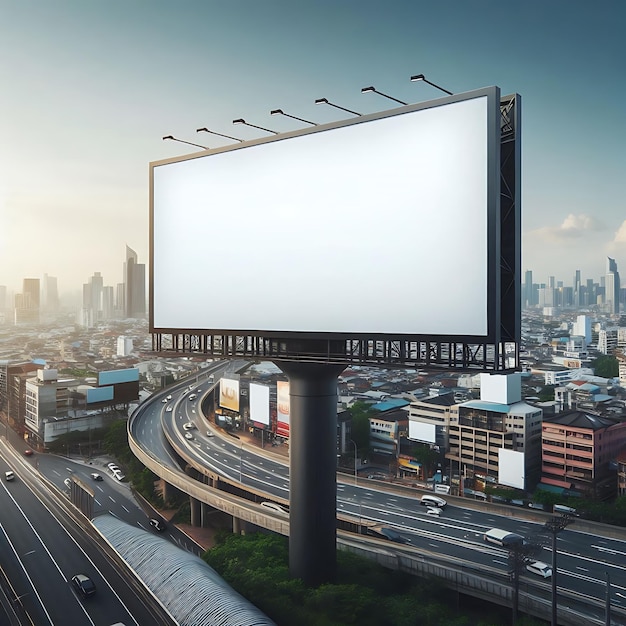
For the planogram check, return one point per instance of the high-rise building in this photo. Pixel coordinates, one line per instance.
(135, 281)
(49, 294)
(27, 303)
(528, 289)
(612, 287)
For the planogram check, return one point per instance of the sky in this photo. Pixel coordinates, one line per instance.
(90, 88)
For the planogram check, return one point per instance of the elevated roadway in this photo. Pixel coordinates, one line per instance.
(227, 474)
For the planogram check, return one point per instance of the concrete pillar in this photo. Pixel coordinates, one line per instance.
(195, 511)
(313, 470)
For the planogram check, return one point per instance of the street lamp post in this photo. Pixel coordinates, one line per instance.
(555, 525)
(355, 467)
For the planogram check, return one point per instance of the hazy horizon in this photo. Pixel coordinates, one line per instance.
(91, 89)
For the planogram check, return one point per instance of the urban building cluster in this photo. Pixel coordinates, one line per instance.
(75, 371)
(39, 300)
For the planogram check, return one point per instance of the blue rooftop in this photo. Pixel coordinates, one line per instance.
(494, 407)
(392, 403)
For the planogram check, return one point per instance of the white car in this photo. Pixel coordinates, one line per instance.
(188, 436)
(112, 466)
(118, 474)
(433, 511)
(189, 426)
(540, 568)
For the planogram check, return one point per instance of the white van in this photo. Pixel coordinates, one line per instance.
(9, 475)
(433, 501)
(504, 538)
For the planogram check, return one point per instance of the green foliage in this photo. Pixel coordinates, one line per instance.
(365, 593)
(606, 366)
(361, 412)
(547, 393)
(426, 456)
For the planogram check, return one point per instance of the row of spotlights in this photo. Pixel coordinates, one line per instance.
(370, 89)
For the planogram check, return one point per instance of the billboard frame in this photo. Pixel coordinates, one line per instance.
(498, 351)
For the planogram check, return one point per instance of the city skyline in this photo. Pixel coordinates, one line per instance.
(90, 90)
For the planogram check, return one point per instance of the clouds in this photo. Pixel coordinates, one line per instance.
(580, 241)
(572, 227)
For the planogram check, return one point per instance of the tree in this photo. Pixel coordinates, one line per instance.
(606, 366)
(426, 456)
(361, 413)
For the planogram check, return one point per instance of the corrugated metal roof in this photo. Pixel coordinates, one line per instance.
(494, 407)
(192, 591)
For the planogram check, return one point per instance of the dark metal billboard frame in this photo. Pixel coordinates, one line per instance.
(429, 353)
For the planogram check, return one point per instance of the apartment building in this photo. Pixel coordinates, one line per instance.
(580, 452)
(497, 440)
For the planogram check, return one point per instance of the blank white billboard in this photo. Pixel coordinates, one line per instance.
(260, 404)
(420, 431)
(511, 471)
(384, 224)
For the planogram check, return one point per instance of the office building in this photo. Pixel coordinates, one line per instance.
(49, 294)
(26, 309)
(611, 287)
(489, 436)
(135, 285)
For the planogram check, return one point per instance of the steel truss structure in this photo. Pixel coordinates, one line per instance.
(429, 353)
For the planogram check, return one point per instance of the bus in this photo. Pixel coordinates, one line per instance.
(504, 538)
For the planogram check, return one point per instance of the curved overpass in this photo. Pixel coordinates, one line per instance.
(226, 475)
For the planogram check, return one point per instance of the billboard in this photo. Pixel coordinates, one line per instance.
(422, 431)
(304, 210)
(260, 404)
(511, 470)
(282, 408)
(229, 394)
(112, 377)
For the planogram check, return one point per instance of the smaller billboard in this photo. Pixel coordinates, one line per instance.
(229, 394)
(260, 404)
(113, 377)
(282, 408)
(421, 431)
(511, 470)
(101, 394)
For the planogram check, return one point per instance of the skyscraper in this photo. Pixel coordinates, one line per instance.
(135, 281)
(27, 302)
(49, 294)
(612, 287)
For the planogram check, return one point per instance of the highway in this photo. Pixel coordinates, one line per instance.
(584, 558)
(43, 546)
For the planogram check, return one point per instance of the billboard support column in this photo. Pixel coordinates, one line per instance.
(312, 470)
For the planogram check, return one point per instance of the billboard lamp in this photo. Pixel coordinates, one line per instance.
(197, 145)
(212, 132)
(267, 130)
(330, 104)
(293, 117)
(380, 93)
(423, 79)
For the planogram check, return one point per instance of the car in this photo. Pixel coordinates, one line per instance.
(96, 476)
(188, 435)
(9, 475)
(164, 400)
(276, 508)
(189, 426)
(112, 466)
(28, 452)
(434, 511)
(192, 397)
(84, 585)
(540, 568)
(169, 397)
(157, 524)
(392, 535)
(68, 483)
(199, 389)
(169, 408)
(118, 474)
(210, 433)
